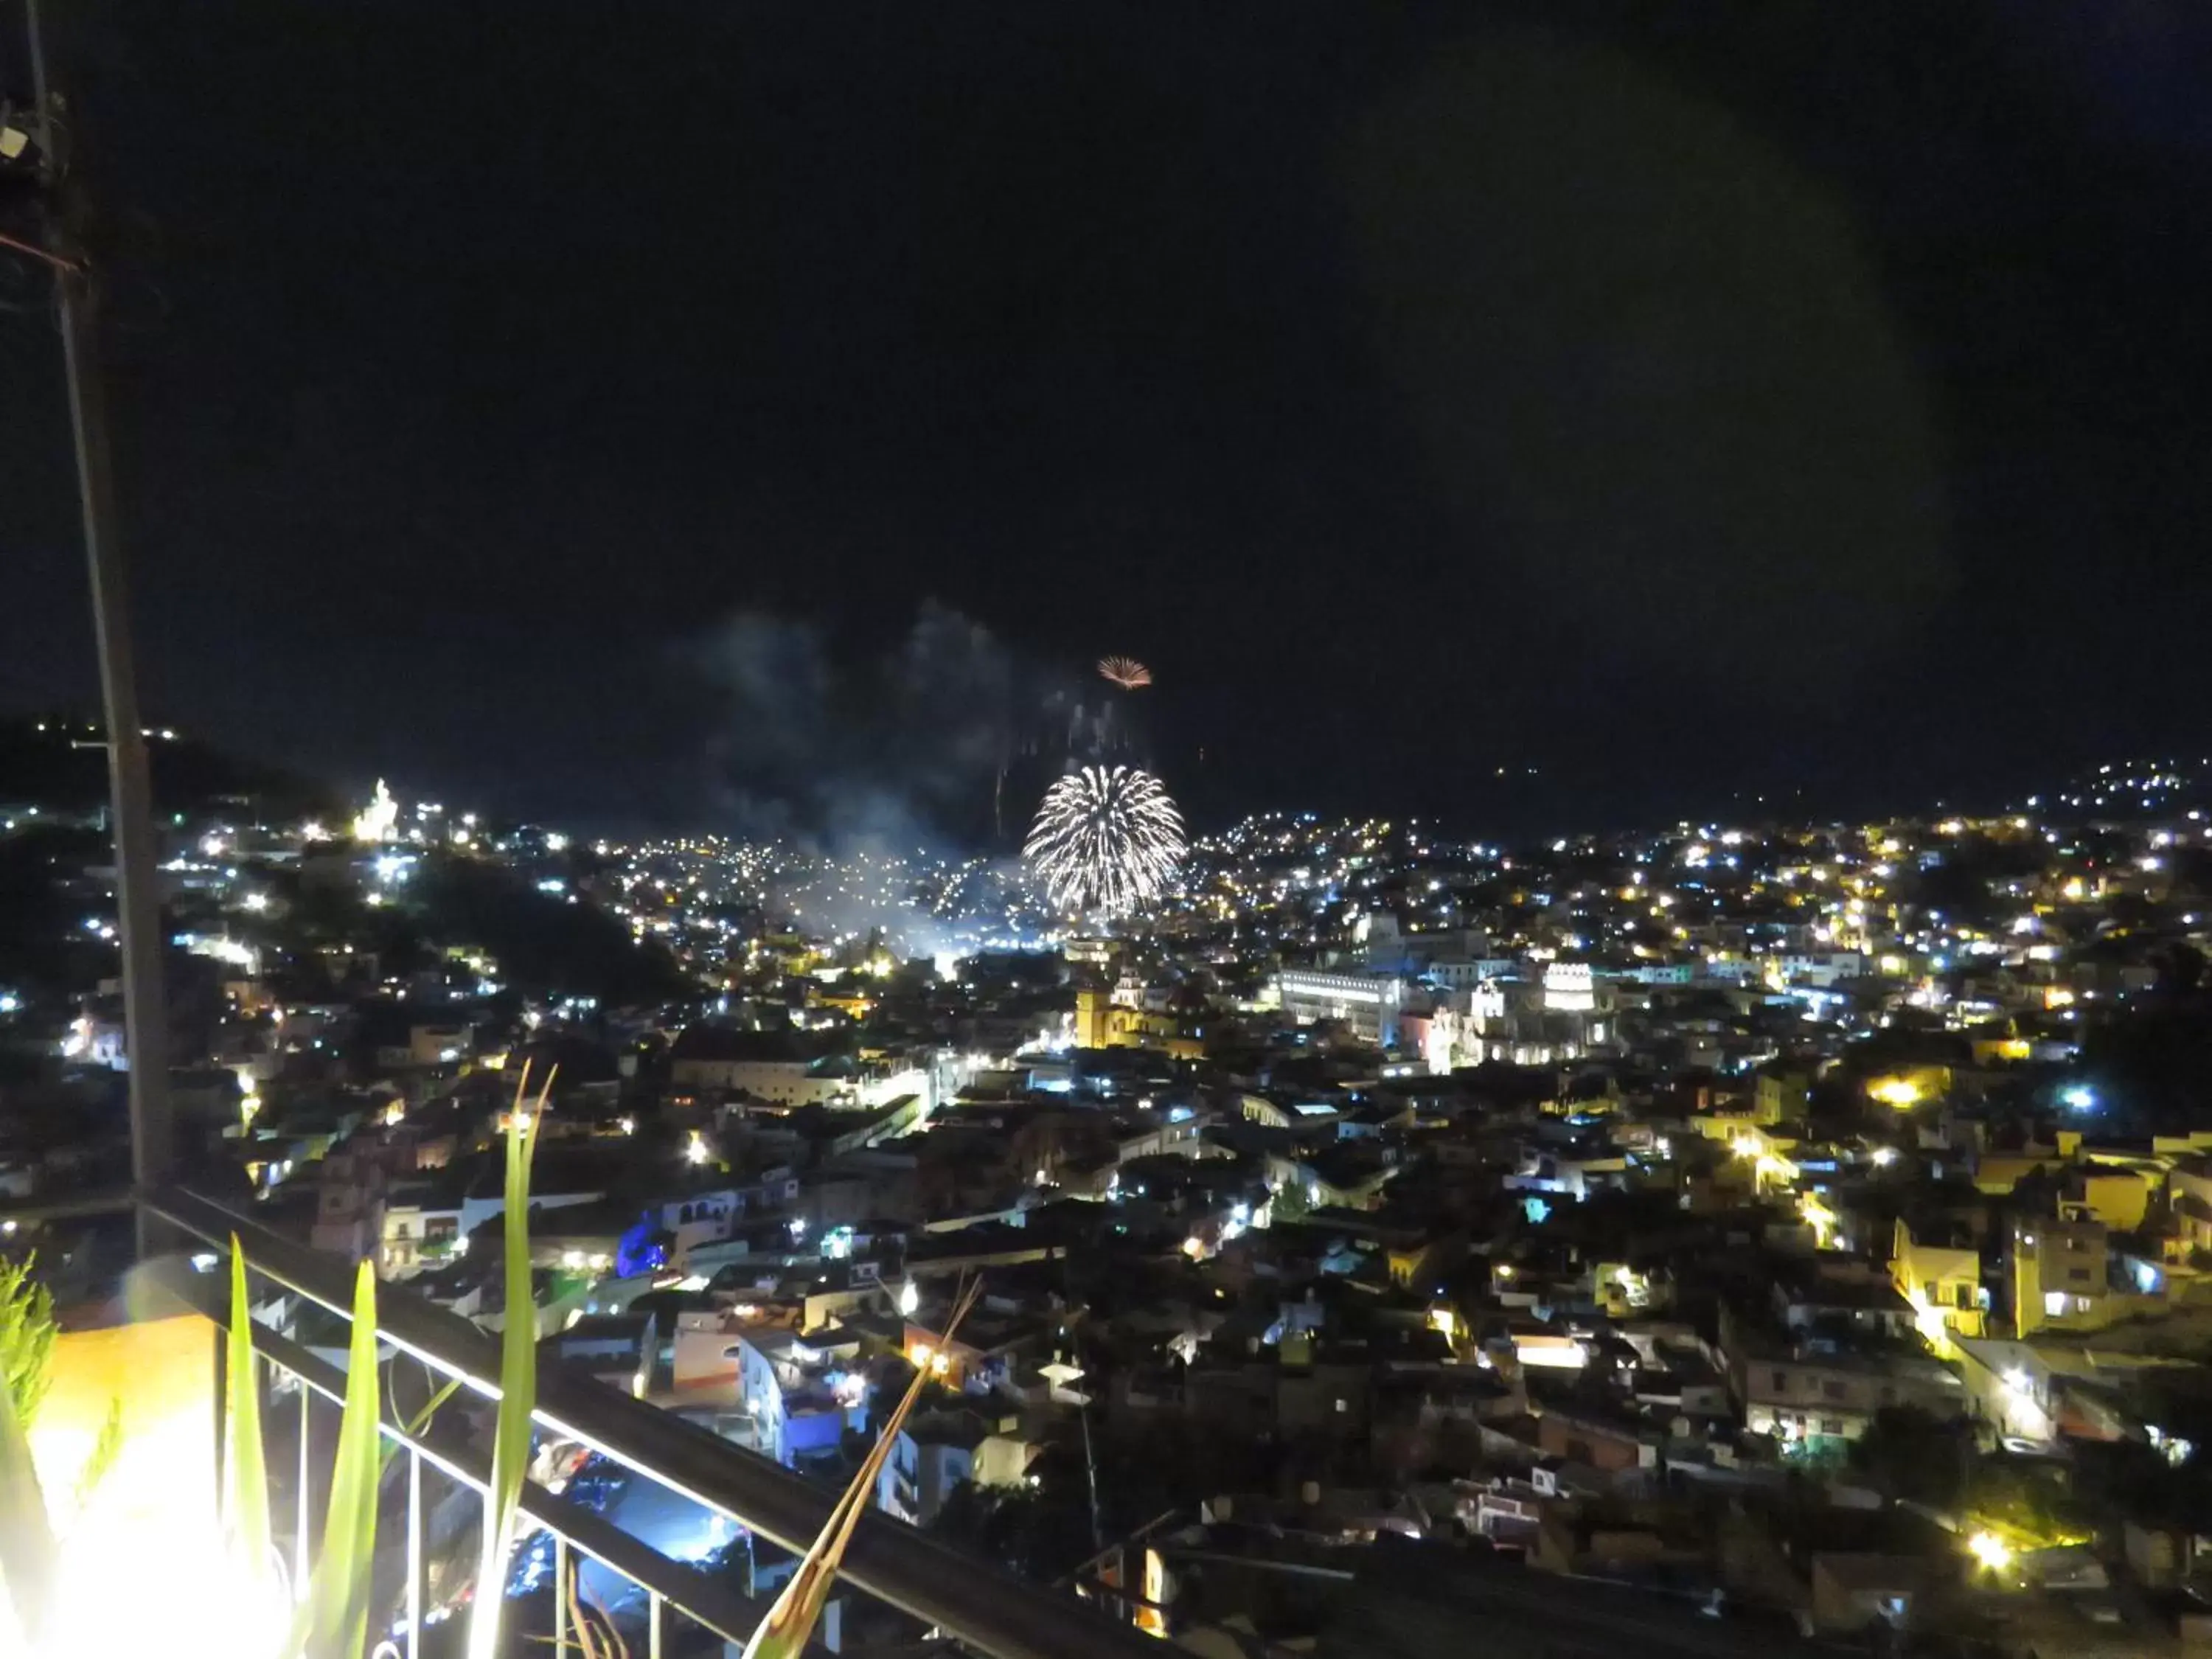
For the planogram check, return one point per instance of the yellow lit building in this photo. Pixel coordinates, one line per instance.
(847, 997)
(1944, 1286)
(1782, 1094)
(1767, 1154)
(2059, 1274)
(2114, 1189)
(2118, 1197)
(1996, 1044)
(1997, 1173)
(1909, 1086)
(1102, 1022)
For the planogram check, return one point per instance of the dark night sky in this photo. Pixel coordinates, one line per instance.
(1678, 400)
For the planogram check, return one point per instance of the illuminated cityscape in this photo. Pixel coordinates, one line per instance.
(1324, 833)
(1367, 1181)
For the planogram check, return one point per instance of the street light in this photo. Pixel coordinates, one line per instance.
(1992, 1551)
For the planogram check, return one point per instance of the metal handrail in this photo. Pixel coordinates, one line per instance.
(690, 1592)
(981, 1604)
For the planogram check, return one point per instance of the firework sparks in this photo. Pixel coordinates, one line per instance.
(1125, 672)
(1105, 840)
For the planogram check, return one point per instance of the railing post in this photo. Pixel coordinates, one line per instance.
(414, 1554)
(1004, 1618)
(299, 1532)
(222, 1416)
(560, 1596)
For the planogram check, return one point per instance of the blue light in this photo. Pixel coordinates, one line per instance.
(640, 1250)
(2081, 1098)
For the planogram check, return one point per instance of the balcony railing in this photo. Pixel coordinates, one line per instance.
(961, 1601)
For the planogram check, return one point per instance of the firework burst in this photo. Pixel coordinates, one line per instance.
(1125, 672)
(1106, 840)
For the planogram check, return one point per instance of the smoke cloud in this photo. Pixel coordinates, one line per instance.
(893, 755)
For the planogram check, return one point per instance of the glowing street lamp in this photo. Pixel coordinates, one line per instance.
(1819, 1217)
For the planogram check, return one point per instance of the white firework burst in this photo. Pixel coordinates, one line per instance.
(1106, 840)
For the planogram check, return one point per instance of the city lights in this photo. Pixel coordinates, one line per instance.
(378, 820)
(1323, 986)
(905, 588)
(1819, 1217)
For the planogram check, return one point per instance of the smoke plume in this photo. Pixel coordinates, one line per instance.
(895, 755)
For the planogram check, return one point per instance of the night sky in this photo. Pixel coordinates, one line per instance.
(572, 409)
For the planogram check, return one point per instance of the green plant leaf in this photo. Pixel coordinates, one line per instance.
(789, 1626)
(518, 1378)
(27, 1551)
(27, 1337)
(106, 1448)
(334, 1619)
(244, 1468)
(420, 1420)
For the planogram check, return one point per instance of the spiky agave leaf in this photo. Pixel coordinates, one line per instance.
(789, 1626)
(518, 1378)
(334, 1619)
(245, 1469)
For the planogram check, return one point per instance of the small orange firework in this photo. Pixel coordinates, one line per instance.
(1125, 672)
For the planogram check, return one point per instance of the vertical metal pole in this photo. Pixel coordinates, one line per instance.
(300, 1523)
(1091, 1474)
(137, 900)
(559, 1595)
(652, 1607)
(414, 1554)
(222, 1399)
